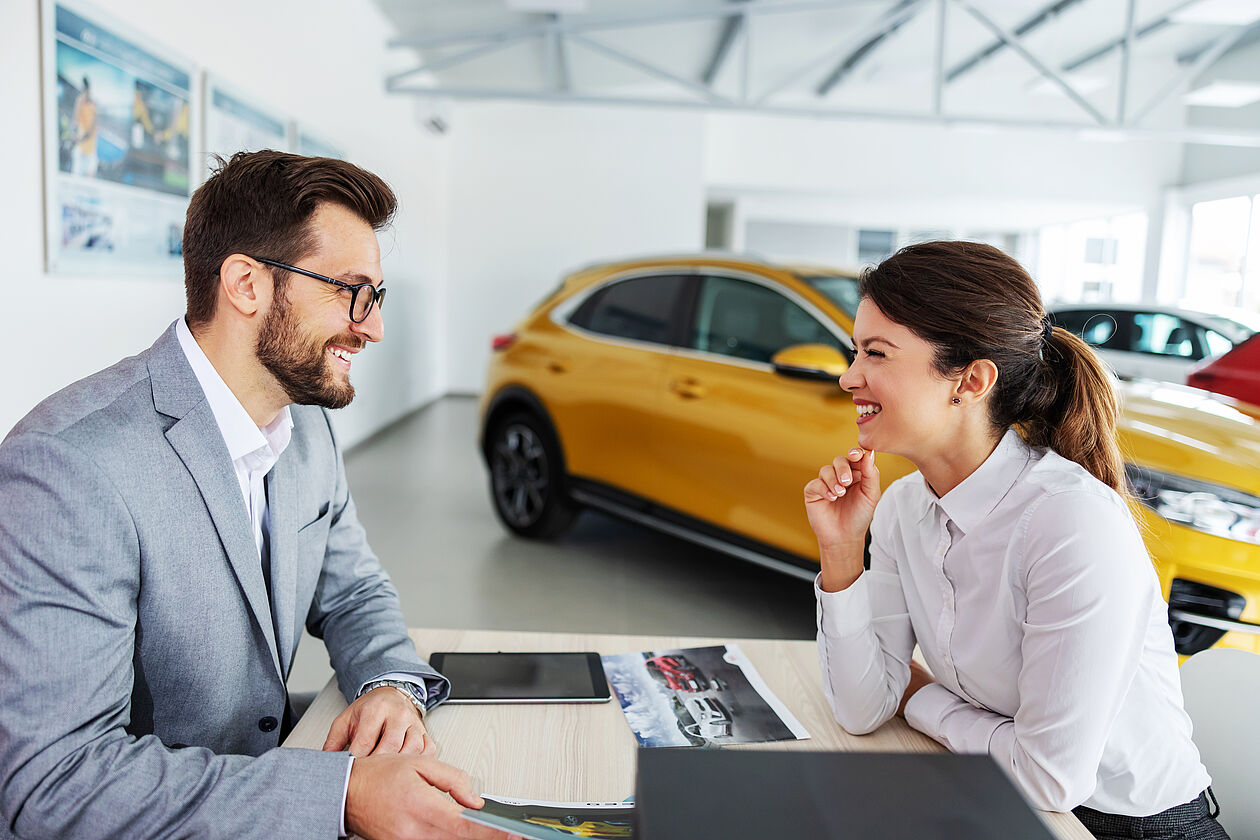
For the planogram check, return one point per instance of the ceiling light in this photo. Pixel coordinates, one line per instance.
(1227, 12)
(1224, 95)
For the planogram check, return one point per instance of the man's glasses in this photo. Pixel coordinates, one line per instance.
(363, 296)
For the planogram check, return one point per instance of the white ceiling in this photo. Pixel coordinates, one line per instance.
(659, 51)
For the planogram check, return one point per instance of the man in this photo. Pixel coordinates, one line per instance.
(83, 160)
(169, 524)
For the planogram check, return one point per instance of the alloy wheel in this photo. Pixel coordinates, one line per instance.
(520, 474)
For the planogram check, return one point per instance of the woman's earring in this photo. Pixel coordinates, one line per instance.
(956, 401)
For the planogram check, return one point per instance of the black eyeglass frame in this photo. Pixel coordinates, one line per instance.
(377, 292)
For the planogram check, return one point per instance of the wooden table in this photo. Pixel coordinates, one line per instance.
(586, 752)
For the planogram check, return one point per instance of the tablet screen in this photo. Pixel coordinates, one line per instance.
(523, 677)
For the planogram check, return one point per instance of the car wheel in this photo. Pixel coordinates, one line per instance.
(526, 479)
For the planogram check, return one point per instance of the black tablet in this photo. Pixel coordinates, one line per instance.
(523, 677)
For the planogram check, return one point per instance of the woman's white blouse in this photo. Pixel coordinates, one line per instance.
(1037, 608)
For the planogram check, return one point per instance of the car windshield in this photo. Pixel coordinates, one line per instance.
(840, 290)
(1234, 330)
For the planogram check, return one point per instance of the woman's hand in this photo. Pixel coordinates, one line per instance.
(840, 504)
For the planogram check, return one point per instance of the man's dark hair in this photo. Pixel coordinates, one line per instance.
(260, 204)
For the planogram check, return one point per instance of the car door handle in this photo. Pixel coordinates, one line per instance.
(687, 388)
(557, 366)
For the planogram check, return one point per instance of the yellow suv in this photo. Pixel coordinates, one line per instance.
(698, 394)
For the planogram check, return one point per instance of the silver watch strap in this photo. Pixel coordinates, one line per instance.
(408, 689)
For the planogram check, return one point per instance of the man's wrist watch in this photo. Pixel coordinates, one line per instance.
(408, 689)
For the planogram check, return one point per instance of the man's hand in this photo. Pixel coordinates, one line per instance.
(400, 797)
(382, 721)
(919, 677)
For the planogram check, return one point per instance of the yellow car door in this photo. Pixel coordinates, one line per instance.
(606, 380)
(740, 439)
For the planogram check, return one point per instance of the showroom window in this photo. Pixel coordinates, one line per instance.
(639, 309)
(1093, 260)
(750, 321)
(1224, 246)
(875, 245)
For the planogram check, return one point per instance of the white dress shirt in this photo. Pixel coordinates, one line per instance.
(254, 451)
(1038, 610)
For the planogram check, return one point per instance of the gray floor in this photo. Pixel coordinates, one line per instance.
(421, 491)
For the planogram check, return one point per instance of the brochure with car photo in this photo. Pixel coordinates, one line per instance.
(555, 820)
(698, 697)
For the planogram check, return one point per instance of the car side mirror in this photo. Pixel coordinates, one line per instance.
(817, 362)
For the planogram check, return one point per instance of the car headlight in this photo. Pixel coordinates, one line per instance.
(1211, 508)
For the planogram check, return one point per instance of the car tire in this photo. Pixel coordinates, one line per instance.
(527, 478)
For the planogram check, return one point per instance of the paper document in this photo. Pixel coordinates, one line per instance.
(710, 696)
(555, 820)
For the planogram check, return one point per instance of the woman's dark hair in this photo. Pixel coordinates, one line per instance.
(259, 204)
(971, 301)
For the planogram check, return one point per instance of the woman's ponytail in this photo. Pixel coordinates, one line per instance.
(1074, 409)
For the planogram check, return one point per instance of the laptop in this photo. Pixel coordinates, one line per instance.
(700, 794)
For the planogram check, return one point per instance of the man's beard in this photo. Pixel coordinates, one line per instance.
(299, 363)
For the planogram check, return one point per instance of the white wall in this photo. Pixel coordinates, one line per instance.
(538, 190)
(298, 62)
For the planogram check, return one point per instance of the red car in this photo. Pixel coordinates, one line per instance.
(1235, 374)
(677, 673)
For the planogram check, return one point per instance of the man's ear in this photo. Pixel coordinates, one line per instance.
(977, 381)
(245, 285)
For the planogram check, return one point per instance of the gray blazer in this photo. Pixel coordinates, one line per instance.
(142, 664)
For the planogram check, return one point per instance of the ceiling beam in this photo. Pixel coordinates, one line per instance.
(1206, 136)
(1126, 59)
(853, 59)
(938, 62)
(576, 23)
(1203, 61)
(1191, 56)
(703, 91)
(453, 60)
(730, 31)
(1011, 40)
(1038, 19)
(560, 52)
(1112, 44)
(817, 63)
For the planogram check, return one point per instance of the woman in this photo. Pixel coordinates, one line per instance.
(1011, 557)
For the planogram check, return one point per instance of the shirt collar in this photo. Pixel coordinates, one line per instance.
(970, 502)
(239, 432)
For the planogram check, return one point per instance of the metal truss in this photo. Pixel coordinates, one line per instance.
(558, 33)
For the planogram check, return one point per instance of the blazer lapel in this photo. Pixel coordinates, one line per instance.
(282, 509)
(196, 438)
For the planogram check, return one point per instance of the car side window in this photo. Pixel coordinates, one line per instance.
(640, 309)
(1099, 329)
(1162, 334)
(751, 321)
(1217, 344)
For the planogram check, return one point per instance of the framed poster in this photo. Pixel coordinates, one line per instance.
(236, 123)
(118, 162)
(314, 145)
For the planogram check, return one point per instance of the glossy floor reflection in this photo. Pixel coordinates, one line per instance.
(421, 490)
